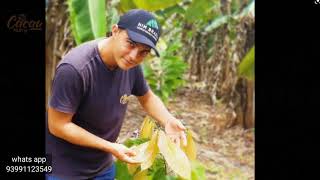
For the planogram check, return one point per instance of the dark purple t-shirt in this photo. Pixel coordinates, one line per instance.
(83, 85)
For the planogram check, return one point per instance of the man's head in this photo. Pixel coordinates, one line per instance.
(136, 33)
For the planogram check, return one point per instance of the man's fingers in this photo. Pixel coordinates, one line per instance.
(178, 141)
(131, 161)
(181, 126)
(179, 137)
(184, 138)
(130, 152)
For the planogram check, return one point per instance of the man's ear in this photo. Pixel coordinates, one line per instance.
(115, 29)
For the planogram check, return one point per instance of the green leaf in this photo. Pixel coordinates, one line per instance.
(122, 172)
(140, 151)
(200, 10)
(112, 18)
(153, 5)
(158, 168)
(172, 178)
(198, 171)
(232, 34)
(133, 168)
(164, 74)
(160, 174)
(246, 67)
(165, 95)
(142, 175)
(167, 12)
(135, 141)
(87, 19)
(190, 149)
(217, 23)
(159, 162)
(248, 9)
(146, 129)
(126, 5)
(174, 156)
(151, 152)
(235, 6)
(97, 16)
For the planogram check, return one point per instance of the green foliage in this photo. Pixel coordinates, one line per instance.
(164, 74)
(163, 155)
(158, 171)
(198, 171)
(135, 141)
(112, 15)
(122, 172)
(235, 6)
(201, 10)
(164, 14)
(248, 9)
(223, 19)
(126, 5)
(153, 5)
(97, 17)
(158, 168)
(246, 67)
(87, 19)
(167, 12)
(150, 5)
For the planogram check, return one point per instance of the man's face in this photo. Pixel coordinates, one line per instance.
(127, 53)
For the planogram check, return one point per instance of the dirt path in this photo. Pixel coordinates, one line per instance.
(226, 155)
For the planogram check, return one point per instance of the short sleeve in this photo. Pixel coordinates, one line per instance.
(140, 86)
(67, 89)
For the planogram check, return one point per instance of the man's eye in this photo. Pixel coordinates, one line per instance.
(131, 43)
(144, 53)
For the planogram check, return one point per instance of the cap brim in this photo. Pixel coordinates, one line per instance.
(142, 39)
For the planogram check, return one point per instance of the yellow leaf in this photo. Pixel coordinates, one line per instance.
(151, 152)
(146, 128)
(174, 156)
(142, 175)
(140, 151)
(132, 168)
(190, 149)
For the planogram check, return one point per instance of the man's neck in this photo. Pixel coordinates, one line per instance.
(106, 55)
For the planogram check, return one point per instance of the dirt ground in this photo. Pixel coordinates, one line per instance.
(226, 155)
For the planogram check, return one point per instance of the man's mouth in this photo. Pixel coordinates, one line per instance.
(129, 62)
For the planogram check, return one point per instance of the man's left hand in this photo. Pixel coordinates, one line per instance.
(175, 131)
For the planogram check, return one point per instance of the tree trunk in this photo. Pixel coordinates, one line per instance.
(219, 70)
(249, 116)
(58, 38)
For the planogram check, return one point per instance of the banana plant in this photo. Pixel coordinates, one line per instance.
(88, 19)
(151, 5)
(223, 19)
(246, 67)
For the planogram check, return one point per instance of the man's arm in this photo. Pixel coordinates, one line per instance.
(60, 125)
(155, 108)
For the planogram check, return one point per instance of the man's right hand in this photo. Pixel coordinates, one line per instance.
(123, 153)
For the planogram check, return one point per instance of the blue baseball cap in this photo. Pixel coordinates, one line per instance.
(142, 27)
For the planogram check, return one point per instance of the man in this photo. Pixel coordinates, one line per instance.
(87, 105)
